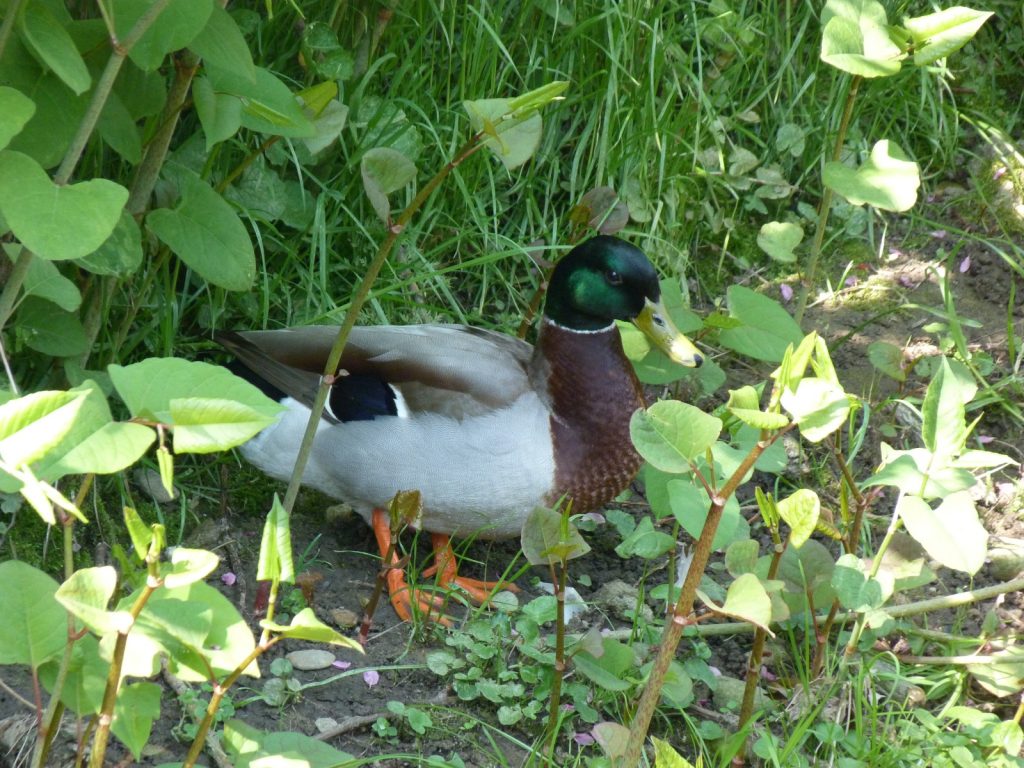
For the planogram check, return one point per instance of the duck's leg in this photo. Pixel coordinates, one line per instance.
(447, 572)
(400, 592)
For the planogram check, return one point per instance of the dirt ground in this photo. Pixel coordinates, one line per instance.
(865, 310)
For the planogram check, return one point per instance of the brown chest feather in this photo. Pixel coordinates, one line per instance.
(594, 393)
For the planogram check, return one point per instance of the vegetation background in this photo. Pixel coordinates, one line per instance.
(687, 127)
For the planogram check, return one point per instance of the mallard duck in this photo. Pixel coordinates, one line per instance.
(484, 425)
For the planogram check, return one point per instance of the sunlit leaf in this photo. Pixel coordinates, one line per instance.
(35, 625)
(951, 533)
(888, 179)
(670, 434)
(939, 34)
(779, 239)
(855, 38)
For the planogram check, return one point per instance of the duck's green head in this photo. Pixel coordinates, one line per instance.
(606, 279)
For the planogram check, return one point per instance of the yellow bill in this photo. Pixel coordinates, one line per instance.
(657, 326)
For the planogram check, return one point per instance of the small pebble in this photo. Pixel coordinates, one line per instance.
(325, 724)
(343, 618)
(311, 659)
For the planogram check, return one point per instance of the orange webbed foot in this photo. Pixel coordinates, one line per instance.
(447, 573)
(404, 599)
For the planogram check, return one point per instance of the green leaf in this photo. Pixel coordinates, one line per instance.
(188, 565)
(666, 757)
(268, 105)
(854, 588)
(512, 139)
(944, 425)
(1004, 674)
(35, 626)
(31, 203)
(117, 127)
(46, 37)
(207, 425)
(136, 708)
(384, 171)
(275, 562)
(45, 281)
(939, 34)
(328, 124)
(916, 472)
(888, 179)
(86, 679)
(306, 626)
(47, 328)
(205, 233)
(887, 358)
(609, 669)
(109, 449)
(249, 747)
(791, 138)
(951, 533)
(32, 425)
(818, 406)
(120, 254)
(690, 504)
(670, 434)
(140, 533)
(741, 557)
(86, 595)
(219, 113)
(175, 28)
(800, 511)
(543, 541)
(157, 388)
(222, 44)
(766, 327)
(16, 110)
(743, 404)
(746, 600)
(322, 51)
(645, 542)
(613, 738)
(779, 238)
(856, 38)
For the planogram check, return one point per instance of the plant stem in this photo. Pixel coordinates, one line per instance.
(680, 618)
(106, 715)
(219, 691)
(757, 651)
(362, 293)
(13, 11)
(825, 203)
(13, 285)
(558, 582)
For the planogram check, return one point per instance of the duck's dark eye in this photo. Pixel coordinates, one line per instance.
(613, 277)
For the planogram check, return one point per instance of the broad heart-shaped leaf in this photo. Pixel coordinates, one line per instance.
(779, 238)
(306, 626)
(46, 328)
(16, 109)
(512, 139)
(766, 328)
(137, 707)
(670, 434)
(248, 746)
(613, 738)
(87, 593)
(118, 129)
(204, 231)
(169, 628)
(384, 171)
(45, 281)
(86, 677)
(543, 541)
(819, 407)
(888, 179)
(32, 204)
(944, 32)
(120, 254)
(856, 38)
(943, 412)
(746, 600)
(109, 449)
(887, 358)
(156, 388)
(53, 46)
(177, 25)
(275, 563)
(800, 510)
(951, 533)
(34, 627)
(854, 588)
